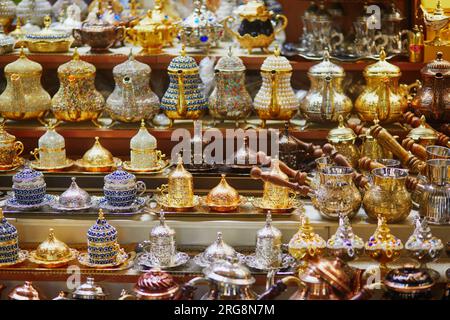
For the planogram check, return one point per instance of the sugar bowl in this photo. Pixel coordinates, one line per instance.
(48, 40)
(121, 188)
(90, 291)
(345, 244)
(73, 199)
(97, 159)
(223, 197)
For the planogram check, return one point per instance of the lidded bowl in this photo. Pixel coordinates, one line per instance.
(409, 283)
(9, 242)
(306, 243)
(422, 245)
(74, 197)
(48, 40)
(24, 292)
(229, 272)
(29, 186)
(423, 135)
(97, 156)
(156, 284)
(223, 197)
(52, 252)
(89, 291)
(218, 250)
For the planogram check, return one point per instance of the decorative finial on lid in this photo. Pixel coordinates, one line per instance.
(179, 159)
(423, 121)
(230, 51)
(326, 55)
(22, 52)
(341, 121)
(183, 50)
(101, 216)
(130, 54)
(143, 123)
(277, 51)
(162, 217)
(96, 139)
(51, 234)
(18, 24)
(268, 218)
(439, 56)
(47, 21)
(382, 54)
(73, 179)
(76, 55)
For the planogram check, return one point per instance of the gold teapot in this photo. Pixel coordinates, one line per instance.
(24, 97)
(326, 100)
(48, 40)
(383, 97)
(77, 98)
(98, 159)
(52, 253)
(153, 32)
(388, 197)
(223, 197)
(276, 99)
(178, 193)
(256, 27)
(343, 139)
(10, 149)
(436, 21)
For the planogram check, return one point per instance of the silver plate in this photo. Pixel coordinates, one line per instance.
(286, 261)
(12, 203)
(147, 260)
(201, 262)
(56, 206)
(138, 204)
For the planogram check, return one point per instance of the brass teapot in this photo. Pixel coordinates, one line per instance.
(276, 99)
(256, 26)
(383, 97)
(433, 97)
(326, 99)
(77, 99)
(24, 97)
(155, 31)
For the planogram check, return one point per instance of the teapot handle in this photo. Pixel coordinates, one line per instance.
(383, 107)
(227, 27)
(279, 287)
(163, 189)
(274, 106)
(131, 34)
(283, 25)
(181, 105)
(35, 153)
(76, 33)
(189, 288)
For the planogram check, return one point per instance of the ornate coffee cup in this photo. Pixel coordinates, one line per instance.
(121, 188)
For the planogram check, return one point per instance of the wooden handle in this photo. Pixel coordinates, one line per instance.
(414, 121)
(367, 164)
(298, 176)
(358, 128)
(417, 149)
(256, 173)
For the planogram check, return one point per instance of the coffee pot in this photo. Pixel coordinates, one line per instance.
(24, 97)
(343, 139)
(276, 99)
(433, 97)
(132, 98)
(326, 99)
(77, 98)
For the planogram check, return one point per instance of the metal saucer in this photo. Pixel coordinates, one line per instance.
(56, 206)
(52, 264)
(163, 164)
(293, 204)
(36, 164)
(23, 255)
(163, 202)
(18, 162)
(147, 261)
(122, 257)
(286, 262)
(12, 203)
(201, 262)
(102, 203)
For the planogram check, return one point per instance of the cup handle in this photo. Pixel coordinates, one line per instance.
(120, 33)
(282, 25)
(18, 146)
(35, 153)
(163, 189)
(76, 33)
(141, 188)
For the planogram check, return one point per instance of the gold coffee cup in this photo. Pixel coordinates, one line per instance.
(10, 148)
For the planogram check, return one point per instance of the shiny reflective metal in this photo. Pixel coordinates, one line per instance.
(436, 21)
(25, 292)
(218, 250)
(51, 151)
(48, 40)
(343, 139)
(223, 197)
(74, 198)
(10, 148)
(345, 244)
(89, 291)
(306, 244)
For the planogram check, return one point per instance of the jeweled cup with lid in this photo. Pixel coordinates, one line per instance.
(132, 98)
(268, 246)
(383, 246)
(184, 98)
(276, 197)
(306, 244)
(10, 253)
(74, 198)
(24, 97)
(29, 187)
(162, 243)
(143, 152)
(343, 139)
(276, 99)
(90, 291)
(10, 148)
(51, 151)
(121, 188)
(422, 134)
(230, 99)
(345, 244)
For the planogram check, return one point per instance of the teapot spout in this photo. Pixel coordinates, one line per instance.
(384, 104)
(327, 107)
(274, 106)
(181, 103)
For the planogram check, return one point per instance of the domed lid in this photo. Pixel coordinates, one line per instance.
(336, 273)
(131, 67)
(7, 231)
(76, 66)
(438, 65)
(326, 68)
(229, 271)
(52, 249)
(97, 155)
(27, 175)
(201, 17)
(18, 33)
(89, 291)
(119, 176)
(102, 231)
(382, 68)
(156, 284)
(162, 230)
(230, 63)
(311, 10)
(341, 133)
(223, 194)
(143, 140)
(254, 9)
(344, 238)
(4, 39)
(5, 137)
(322, 13)
(74, 197)
(62, 295)
(423, 239)
(422, 132)
(95, 23)
(276, 62)
(154, 18)
(218, 250)
(51, 139)
(24, 292)
(180, 172)
(269, 231)
(408, 279)
(306, 237)
(383, 238)
(182, 62)
(23, 65)
(48, 34)
(276, 171)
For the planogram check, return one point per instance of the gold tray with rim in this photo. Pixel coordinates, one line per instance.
(18, 162)
(163, 164)
(98, 169)
(126, 261)
(35, 164)
(52, 264)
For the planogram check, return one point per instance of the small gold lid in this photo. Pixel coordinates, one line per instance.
(23, 65)
(223, 194)
(422, 132)
(47, 34)
(254, 9)
(180, 172)
(383, 238)
(382, 68)
(52, 249)
(76, 67)
(155, 18)
(341, 133)
(97, 155)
